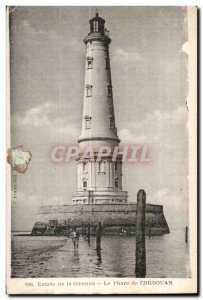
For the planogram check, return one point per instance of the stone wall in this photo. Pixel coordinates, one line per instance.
(58, 218)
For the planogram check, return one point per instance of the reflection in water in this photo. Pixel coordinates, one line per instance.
(75, 263)
(88, 240)
(76, 252)
(99, 258)
(166, 256)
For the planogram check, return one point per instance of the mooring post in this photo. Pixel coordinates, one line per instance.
(83, 229)
(150, 230)
(98, 234)
(186, 234)
(140, 268)
(88, 233)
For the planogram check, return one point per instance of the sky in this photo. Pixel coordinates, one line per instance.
(149, 78)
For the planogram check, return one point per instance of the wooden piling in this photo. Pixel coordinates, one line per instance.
(88, 233)
(186, 234)
(98, 233)
(83, 231)
(140, 267)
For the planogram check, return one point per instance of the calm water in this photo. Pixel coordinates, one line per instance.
(167, 256)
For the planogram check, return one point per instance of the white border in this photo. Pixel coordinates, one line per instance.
(3, 89)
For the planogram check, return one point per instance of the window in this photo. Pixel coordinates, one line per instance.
(89, 62)
(102, 166)
(84, 184)
(111, 122)
(107, 63)
(109, 90)
(84, 167)
(116, 166)
(96, 26)
(88, 122)
(88, 90)
(116, 183)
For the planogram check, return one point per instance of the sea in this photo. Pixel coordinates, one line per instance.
(167, 256)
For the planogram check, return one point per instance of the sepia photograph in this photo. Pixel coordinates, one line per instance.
(101, 149)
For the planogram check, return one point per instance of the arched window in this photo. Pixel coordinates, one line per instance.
(88, 122)
(101, 166)
(84, 167)
(89, 62)
(88, 90)
(96, 26)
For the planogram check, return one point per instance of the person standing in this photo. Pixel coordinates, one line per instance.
(75, 238)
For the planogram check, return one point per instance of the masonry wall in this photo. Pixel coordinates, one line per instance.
(110, 215)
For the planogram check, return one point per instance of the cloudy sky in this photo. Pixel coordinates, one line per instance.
(149, 75)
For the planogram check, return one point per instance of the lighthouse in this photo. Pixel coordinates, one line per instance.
(99, 177)
(99, 197)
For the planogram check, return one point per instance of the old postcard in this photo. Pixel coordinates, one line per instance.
(101, 150)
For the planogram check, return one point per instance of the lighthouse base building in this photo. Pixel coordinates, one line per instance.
(99, 182)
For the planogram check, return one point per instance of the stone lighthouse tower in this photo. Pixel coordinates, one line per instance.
(99, 177)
